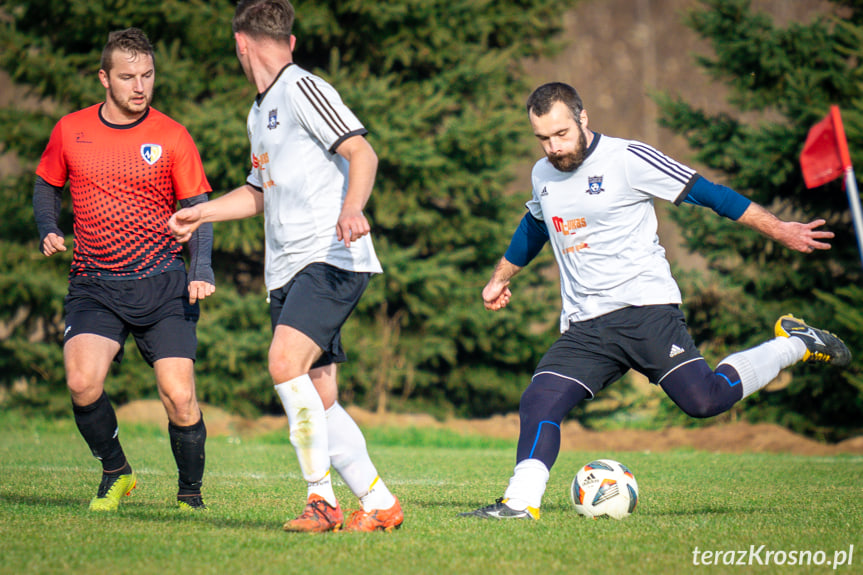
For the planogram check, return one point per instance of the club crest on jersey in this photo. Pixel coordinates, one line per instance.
(151, 153)
(273, 119)
(594, 185)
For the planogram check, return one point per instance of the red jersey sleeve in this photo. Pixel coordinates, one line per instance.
(188, 171)
(52, 167)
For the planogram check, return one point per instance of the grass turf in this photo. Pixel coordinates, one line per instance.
(792, 505)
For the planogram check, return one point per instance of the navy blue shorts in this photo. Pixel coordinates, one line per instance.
(595, 353)
(155, 310)
(317, 302)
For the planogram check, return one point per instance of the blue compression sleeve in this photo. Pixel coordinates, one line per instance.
(721, 199)
(527, 241)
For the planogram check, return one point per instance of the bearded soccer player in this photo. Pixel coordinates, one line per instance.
(593, 201)
(312, 174)
(128, 165)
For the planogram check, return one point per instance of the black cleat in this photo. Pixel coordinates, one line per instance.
(821, 346)
(500, 510)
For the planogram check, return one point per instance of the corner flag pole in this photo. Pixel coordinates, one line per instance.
(850, 179)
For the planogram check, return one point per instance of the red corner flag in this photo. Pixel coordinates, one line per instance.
(825, 154)
(825, 157)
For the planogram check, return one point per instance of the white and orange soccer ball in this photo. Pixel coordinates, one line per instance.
(604, 488)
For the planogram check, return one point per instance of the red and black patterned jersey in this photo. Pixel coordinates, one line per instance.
(125, 182)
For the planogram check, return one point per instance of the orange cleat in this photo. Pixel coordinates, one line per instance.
(377, 519)
(318, 516)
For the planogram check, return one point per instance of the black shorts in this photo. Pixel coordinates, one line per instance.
(317, 302)
(155, 310)
(595, 353)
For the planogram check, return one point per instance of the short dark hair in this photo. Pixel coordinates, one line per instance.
(544, 97)
(272, 19)
(131, 40)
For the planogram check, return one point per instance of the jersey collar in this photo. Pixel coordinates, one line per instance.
(260, 97)
(122, 126)
(593, 144)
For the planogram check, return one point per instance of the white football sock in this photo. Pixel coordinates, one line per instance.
(324, 488)
(378, 496)
(760, 365)
(350, 457)
(527, 485)
(308, 426)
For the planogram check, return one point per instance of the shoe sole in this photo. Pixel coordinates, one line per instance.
(330, 530)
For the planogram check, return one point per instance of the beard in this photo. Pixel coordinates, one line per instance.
(128, 106)
(571, 161)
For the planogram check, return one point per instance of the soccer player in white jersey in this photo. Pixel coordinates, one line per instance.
(593, 201)
(312, 174)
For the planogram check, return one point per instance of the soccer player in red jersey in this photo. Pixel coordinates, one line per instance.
(128, 165)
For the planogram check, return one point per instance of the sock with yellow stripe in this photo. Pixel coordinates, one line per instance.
(350, 457)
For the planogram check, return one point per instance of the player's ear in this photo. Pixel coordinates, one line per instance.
(583, 119)
(292, 42)
(103, 77)
(242, 45)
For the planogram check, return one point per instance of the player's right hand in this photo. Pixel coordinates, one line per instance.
(53, 244)
(495, 296)
(183, 222)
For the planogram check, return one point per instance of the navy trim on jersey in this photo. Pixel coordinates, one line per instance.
(662, 162)
(527, 241)
(122, 126)
(685, 192)
(260, 97)
(593, 144)
(322, 105)
(721, 199)
(360, 132)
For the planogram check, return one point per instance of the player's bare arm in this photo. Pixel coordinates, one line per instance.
(239, 203)
(793, 235)
(496, 293)
(363, 166)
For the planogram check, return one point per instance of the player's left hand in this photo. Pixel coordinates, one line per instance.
(804, 237)
(199, 290)
(352, 225)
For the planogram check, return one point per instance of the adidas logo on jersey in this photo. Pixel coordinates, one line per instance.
(675, 350)
(544, 192)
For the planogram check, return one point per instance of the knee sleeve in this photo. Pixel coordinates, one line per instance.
(544, 404)
(701, 392)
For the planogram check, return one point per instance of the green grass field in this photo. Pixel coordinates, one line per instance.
(801, 509)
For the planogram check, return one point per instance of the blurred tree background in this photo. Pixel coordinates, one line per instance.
(441, 88)
(781, 81)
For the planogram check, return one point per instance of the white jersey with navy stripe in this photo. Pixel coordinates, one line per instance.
(602, 226)
(294, 129)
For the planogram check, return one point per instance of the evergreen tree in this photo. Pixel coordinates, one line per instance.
(781, 81)
(440, 86)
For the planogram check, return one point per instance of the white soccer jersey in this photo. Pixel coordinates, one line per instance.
(294, 129)
(602, 226)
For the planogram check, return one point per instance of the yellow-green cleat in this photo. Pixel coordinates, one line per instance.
(191, 503)
(111, 490)
(821, 345)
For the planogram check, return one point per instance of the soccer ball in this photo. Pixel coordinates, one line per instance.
(604, 488)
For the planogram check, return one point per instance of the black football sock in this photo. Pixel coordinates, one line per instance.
(187, 444)
(97, 423)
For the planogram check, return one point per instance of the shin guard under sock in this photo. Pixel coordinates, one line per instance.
(187, 444)
(97, 424)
